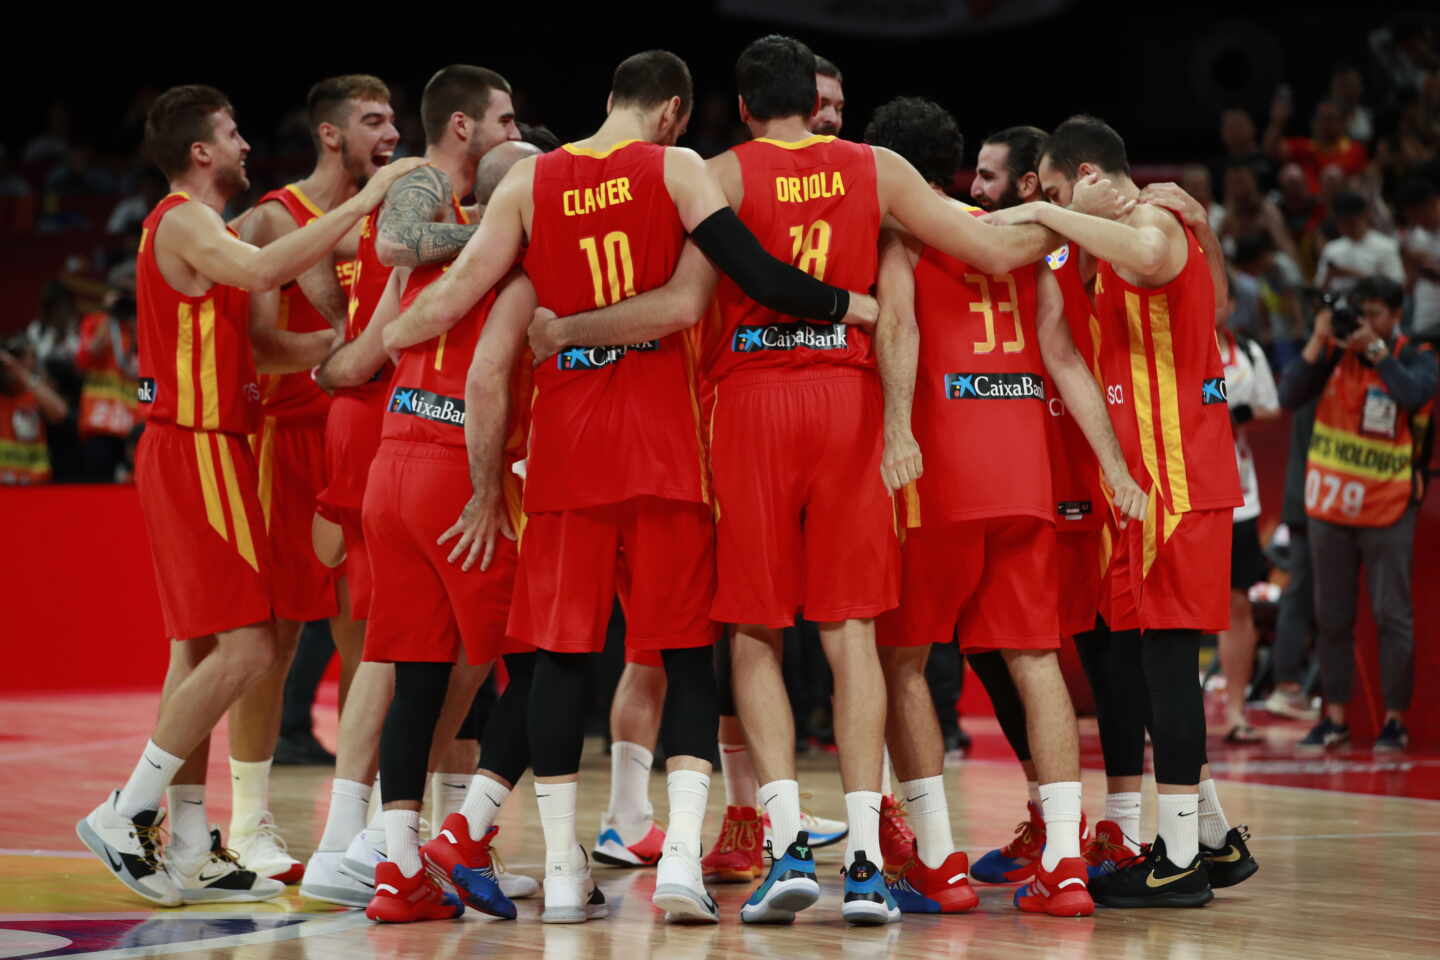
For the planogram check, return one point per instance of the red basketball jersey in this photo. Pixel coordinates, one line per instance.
(811, 203)
(1080, 501)
(609, 423)
(980, 395)
(295, 395)
(1165, 386)
(368, 277)
(197, 368)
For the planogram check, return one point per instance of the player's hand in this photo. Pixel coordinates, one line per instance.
(1172, 197)
(482, 518)
(1010, 216)
(1130, 501)
(544, 335)
(864, 310)
(902, 463)
(385, 178)
(1098, 197)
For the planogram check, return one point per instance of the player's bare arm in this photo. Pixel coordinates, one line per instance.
(413, 228)
(1197, 218)
(269, 222)
(194, 250)
(897, 352)
(486, 258)
(1082, 398)
(357, 361)
(677, 305)
(487, 412)
(906, 196)
(283, 351)
(1147, 246)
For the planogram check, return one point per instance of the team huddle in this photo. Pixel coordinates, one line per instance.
(796, 379)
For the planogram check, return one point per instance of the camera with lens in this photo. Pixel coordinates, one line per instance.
(1343, 318)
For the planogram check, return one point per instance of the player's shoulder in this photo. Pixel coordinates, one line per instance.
(266, 221)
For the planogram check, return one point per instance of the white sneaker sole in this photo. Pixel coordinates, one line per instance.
(785, 899)
(103, 851)
(868, 913)
(363, 873)
(613, 854)
(683, 904)
(206, 895)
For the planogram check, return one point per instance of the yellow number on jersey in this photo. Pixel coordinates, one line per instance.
(988, 309)
(810, 248)
(619, 267)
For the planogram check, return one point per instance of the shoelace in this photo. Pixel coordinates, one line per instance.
(152, 841)
(1100, 847)
(1024, 837)
(270, 831)
(893, 813)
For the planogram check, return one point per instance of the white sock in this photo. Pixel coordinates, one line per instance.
(1213, 825)
(377, 805)
(689, 791)
(781, 799)
(862, 808)
(557, 819)
(249, 794)
(1060, 804)
(1177, 820)
(447, 795)
(630, 789)
(1033, 788)
(740, 785)
(152, 774)
(349, 803)
(929, 817)
(402, 840)
(483, 803)
(1123, 810)
(189, 827)
(886, 787)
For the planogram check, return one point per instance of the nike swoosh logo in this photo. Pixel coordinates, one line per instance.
(204, 879)
(958, 876)
(197, 803)
(494, 801)
(913, 799)
(152, 763)
(641, 762)
(414, 829)
(765, 801)
(115, 865)
(386, 888)
(876, 810)
(1190, 814)
(1154, 882)
(540, 796)
(1231, 855)
(456, 786)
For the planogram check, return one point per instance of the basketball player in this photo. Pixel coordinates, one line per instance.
(353, 129)
(466, 111)
(1155, 305)
(197, 480)
(979, 547)
(606, 218)
(831, 116)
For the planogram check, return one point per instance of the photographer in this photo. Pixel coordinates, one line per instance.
(1362, 490)
(108, 361)
(27, 403)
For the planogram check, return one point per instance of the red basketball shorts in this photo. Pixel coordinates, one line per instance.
(207, 531)
(1179, 568)
(803, 520)
(352, 438)
(657, 555)
(290, 457)
(422, 607)
(993, 579)
(1081, 559)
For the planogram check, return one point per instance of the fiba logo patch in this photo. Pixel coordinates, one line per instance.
(1213, 390)
(790, 336)
(595, 358)
(994, 386)
(413, 402)
(145, 392)
(1056, 258)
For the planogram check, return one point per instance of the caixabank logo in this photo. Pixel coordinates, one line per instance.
(1213, 390)
(790, 336)
(414, 402)
(145, 392)
(994, 386)
(596, 358)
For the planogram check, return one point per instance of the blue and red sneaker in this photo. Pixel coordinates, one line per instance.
(1061, 892)
(943, 889)
(611, 848)
(1017, 861)
(1107, 849)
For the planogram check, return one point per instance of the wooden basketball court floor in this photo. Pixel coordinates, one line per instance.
(1349, 851)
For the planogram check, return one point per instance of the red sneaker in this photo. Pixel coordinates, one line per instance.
(1017, 860)
(1061, 892)
(402, 899)
(1107, 849)
(468, 866)
(738, 856)
(943, 889)
(897, 840)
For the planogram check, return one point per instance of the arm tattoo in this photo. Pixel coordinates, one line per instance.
(408, 219)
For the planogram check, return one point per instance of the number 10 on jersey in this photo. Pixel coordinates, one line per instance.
(619, 272)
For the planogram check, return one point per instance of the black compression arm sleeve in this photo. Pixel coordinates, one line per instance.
(769, 282)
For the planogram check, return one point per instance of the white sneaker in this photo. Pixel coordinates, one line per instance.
(217, 876)
(324, 880)
(571, 896)
(823, 832)
(680, 887)
(131, 848)
(261, 848)
(516, 886)
(366, 849)
(1296, 707)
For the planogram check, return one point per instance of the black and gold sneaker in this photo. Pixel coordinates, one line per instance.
(1152, 880)
(1231, 862)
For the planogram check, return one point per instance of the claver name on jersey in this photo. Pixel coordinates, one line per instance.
(812, 187)
(585, 200)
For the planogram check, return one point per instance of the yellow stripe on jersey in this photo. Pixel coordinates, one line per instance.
(1148, 538)
(595, 154)
(1169, 403)
(209, 372)
(809, 141)
(1095, 341)
(305, 201)
(205, 457)
(144, 236)
(714, 407)
(243, 543)
(1107, 550)
(440, 352)
(1140, 385)
(690, 349)
(265, 464)
(912, 504)
(185, 366)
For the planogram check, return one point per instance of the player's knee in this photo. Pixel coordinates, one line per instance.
(1239, 606)
(904, 665)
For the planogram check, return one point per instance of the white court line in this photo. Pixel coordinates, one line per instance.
(294, 931)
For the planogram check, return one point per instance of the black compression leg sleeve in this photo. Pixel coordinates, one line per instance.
(1112, 664)
(505, 748)
(994, 675)
(409, 729)
(557, 712)
(724, 693)
(1177, 705)
(690, 722)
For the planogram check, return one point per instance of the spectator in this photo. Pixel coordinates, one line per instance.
(27, 403)
(1375, 390)
(1358, 251)
(1303, 214)
(1248, 211)
(130, 213)
(1326, 146)
(1347, 92)
(109, 363)
(1248, 314)
(1237, 133)
(1195, 180)
(1419, 203)
(1410, 142)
